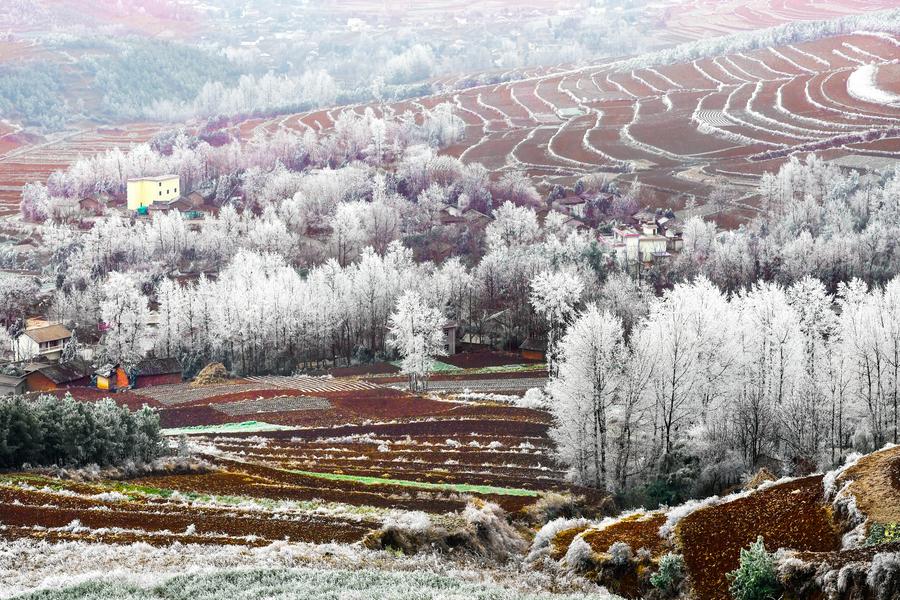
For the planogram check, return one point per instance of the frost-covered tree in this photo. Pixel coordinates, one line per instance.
(554, 296)
(417, 334)
(123, 311)
(592, 356)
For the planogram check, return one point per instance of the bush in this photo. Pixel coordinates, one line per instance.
(620, 554)
(883, 577)
(881, 533)
(756, 577)
(61, 431)
(543, 540)
(670, 574)
(579, 556)
(483, 531)
(552, 505)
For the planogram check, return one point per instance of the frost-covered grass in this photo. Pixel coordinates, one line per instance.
(68, 570)
(297, 584)
(515, 368)
(436, 367)
(243, 427)
(120, 491)
(461, 488)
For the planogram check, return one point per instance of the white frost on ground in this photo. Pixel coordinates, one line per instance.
(862, 85)
(31, 565)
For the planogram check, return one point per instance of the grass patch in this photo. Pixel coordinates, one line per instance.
(462, 488)
(522, 368)
(297, 584)
(437, 367)
(242, 427)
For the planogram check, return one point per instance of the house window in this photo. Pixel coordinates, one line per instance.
(160, 192)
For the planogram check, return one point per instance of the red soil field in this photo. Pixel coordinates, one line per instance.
(791, 515)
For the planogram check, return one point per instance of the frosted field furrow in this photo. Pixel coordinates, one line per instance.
(312, 384)
(252, 407)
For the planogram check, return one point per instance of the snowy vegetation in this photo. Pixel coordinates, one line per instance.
(63, 431)
(709, 387)
(243, 63)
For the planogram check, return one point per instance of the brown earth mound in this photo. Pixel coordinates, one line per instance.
(791, 515)
(876, 485)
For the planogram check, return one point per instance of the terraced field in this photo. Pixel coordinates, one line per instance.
(676, 128)
(25, 159)
(331, 456)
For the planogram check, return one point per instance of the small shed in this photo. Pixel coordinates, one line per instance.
(157, 371)
(12, 385)
(111, 378)
(534, 349)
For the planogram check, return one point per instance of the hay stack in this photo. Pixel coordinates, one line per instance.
(211, 374)
(762, 476)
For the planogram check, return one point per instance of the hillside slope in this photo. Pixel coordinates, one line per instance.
(828, 530)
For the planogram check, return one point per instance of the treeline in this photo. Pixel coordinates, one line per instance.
(139, 74)
(34, 95)
(62, 431)
(817, 221)
(708, 387)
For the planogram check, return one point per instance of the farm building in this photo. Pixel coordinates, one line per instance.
(631, 244)
(145, 191)
(533, 349)
(157, 371)
(94, 204)
(199, 198)
(573, 205)
(450, 215)
(12, 384)
(477, 218)
(58, 376)
(112, 378)
(491, 331)
(44, 341)
(666, 224)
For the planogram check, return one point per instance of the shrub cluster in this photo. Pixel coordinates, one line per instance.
(62, 431)
(756, 578)
(670, 574)
(883, 533)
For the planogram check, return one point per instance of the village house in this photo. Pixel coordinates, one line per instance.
(490, 332)
(43, 341)
(145, 191)
(12, 384)
(672, 228)
(666, 223)
(636, 244)
(201, 197)
(95, 204)
(575, 206)
(533, 349)
(112, 378)
(58, 376)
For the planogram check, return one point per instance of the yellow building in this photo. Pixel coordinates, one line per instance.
(144, 191)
